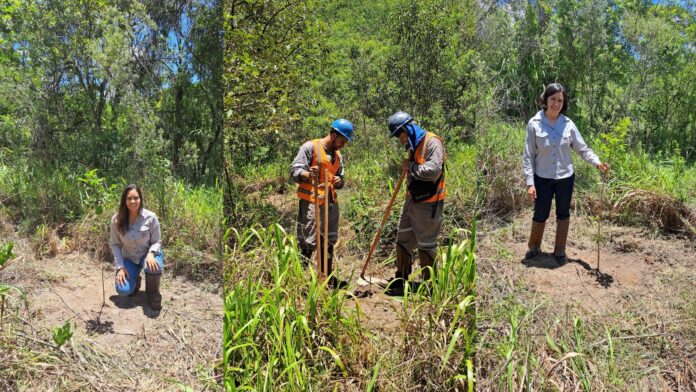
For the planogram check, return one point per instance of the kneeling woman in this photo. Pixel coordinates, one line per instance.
(136, 244)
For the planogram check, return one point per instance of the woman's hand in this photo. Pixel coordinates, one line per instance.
(603, 167)
(531, 193)
(121, 276)
(152, 265)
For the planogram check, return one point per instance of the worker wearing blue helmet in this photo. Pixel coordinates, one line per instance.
(421, 215)
(315, 160)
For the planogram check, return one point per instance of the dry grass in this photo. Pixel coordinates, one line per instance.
(657, 211)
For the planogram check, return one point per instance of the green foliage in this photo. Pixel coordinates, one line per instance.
(448, 302)
(271, 49)
(62, 335)
(285, 329)
(95, 192)
(91, 85)
(5, 253)
(272, 337)
(434, 63)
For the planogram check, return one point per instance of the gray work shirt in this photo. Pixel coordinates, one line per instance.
(547, 148)
(304, 158)
(434, 158)
(142, 236)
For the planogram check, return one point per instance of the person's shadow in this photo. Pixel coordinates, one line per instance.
(547, 261)
(544, 260)
(140, 300)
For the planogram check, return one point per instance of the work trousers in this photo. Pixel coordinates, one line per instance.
(306, 225)
(546, 190)
(420, 226)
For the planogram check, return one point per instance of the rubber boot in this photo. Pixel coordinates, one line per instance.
(306, 256)
(426, 260)
(152, 290)
(403, 271)
(561, 237)
(137, 286)
(535, 237)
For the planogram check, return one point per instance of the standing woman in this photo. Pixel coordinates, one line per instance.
(548, 167)
(136, 244)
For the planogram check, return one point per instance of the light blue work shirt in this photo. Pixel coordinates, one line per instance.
(547, 148)
(143, 236)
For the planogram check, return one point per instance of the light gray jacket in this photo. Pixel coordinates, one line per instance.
(143, 236)
(547, 148)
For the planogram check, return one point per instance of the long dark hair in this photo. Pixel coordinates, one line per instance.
(122, 217)
(550, 90)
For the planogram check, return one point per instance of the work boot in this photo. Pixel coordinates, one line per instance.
(403, 262)
(535, 237)
(306, 256)
(395, 287)
(137, 286)
(426, 260)
(561, 237)
(403, 271)
(152, 290)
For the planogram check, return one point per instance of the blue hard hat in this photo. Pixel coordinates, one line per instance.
(344, 127)
(398, 120)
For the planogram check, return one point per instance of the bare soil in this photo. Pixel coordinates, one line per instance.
(631, 263)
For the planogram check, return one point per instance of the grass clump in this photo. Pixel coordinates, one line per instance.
(285, 330)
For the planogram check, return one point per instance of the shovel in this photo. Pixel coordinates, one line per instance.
(365, 281)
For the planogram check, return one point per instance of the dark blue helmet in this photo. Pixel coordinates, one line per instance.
(344, 127)
(398, 120)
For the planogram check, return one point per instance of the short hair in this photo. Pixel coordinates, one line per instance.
(550, 90)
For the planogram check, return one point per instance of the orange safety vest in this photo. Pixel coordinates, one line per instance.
(305, 190)
(419, 157)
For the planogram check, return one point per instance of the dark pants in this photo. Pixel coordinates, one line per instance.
(546, 189)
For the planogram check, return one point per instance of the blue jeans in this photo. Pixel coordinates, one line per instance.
(133, 273)
(546, 190)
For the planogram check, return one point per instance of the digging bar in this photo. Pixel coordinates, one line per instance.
(317, 226)
(326, 222)
(371, 280)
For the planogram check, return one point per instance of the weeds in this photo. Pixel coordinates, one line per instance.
(274, 338)
(284, 329)
(62, 334)
(5, 253)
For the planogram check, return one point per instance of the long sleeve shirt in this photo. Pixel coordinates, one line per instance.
(143, 236)
(304, 158)
(547, 148)
(434, 158)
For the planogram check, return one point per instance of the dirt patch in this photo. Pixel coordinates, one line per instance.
(146, 349)
(630, 262)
